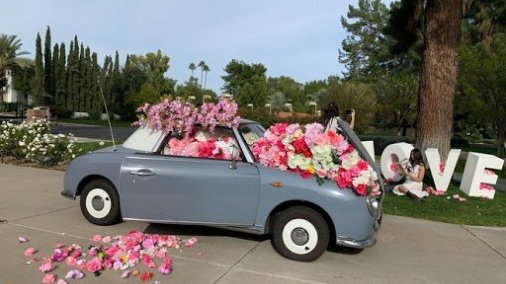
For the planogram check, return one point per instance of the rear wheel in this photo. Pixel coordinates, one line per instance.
(300, 233)
(100, 203)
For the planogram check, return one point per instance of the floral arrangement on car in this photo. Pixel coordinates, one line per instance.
(202, 146)
(311, 152)
(181, 117)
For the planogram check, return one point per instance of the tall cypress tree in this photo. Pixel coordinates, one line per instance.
(55, 75)
(82, 81)
(39, 72)
(95, 71)
(61, 83)
(88, 94)
(69, 98)
(116, 90)
(48, 65)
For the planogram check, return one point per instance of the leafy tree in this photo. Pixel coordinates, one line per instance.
(352, 95)
(401, 93)
(253, 92)
(291, 90)
(10, 52)
(23, 78)
(147, 94)
(363, 49)
(482, 84)
(277, 100)
(239, 74)
(39, 73)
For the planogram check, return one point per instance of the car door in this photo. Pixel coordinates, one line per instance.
(190, 190)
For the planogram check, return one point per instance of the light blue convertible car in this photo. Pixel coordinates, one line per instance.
(139, 181)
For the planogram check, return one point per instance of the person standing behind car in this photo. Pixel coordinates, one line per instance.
(329, 115)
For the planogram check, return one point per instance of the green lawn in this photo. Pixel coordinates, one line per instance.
(474, 211)
(85, 147)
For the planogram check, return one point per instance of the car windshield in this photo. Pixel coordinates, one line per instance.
(251, 132)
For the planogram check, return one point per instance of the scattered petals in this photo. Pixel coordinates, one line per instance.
(22, 239)
(46, 267)
(61, 281)
(190, 242)
(74, 274)
(146, 276)
(121, 252)
(125, 274)
(30, 251)
(48, 278)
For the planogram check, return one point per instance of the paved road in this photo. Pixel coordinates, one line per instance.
(408, 250)
(92, 131)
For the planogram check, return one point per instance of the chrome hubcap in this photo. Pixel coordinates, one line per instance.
(98, 203)
(300, 236)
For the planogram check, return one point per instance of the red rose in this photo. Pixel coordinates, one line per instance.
(146, 276)
(301, 147)
(362, 165)
(361, 190)
(306, 174)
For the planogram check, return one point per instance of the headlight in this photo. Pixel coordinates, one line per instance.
(373, 204)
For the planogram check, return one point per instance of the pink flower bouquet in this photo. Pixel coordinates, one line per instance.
(312, 152)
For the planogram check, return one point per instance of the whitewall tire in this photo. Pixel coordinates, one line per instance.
(300, 233)
(100, 203)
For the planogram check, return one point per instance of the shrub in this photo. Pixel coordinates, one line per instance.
(31, 141)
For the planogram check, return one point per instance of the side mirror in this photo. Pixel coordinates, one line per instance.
(233, 165)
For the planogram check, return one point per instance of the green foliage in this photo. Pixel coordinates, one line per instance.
(39, 73)
(147, 94)
(253, 92)
(363, 49)
(482, 84)
(32, 142)
(352, 95)
(239, 74)
(48, 65)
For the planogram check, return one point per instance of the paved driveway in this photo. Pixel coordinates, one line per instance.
(408, 250)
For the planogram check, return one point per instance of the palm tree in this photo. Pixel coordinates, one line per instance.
(201, 65)
(9, 53)
(205, 69)
(192, 67)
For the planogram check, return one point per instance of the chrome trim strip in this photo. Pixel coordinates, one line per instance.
(244, 148)
(234, 227)
(352, 243)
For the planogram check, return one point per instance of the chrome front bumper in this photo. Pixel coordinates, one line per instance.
(352, 243)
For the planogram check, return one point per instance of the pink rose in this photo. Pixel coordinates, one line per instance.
(71, 261)
(94, 265)
(46, 267)
(48, 278)
(97, 238)
(30, 251)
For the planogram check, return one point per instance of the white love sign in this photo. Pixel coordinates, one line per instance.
(369, 147)
(474, 175)
(392, 154)
(442, 179)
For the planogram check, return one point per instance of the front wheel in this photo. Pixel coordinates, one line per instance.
(100, 203)
(300, 233)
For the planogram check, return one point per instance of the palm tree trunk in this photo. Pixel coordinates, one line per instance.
(438, 75)
(205, 81)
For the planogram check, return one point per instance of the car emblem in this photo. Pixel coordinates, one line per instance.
(277, 184)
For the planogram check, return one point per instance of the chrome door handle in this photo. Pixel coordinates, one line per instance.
(143, 173)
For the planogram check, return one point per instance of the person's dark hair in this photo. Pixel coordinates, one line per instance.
(330, 111)
(416, 157)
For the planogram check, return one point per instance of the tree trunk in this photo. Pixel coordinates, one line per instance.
(438, 75)
(501, 142)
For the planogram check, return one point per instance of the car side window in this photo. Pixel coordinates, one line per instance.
(219, 144)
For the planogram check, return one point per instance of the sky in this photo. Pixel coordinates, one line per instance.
(295, 38)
